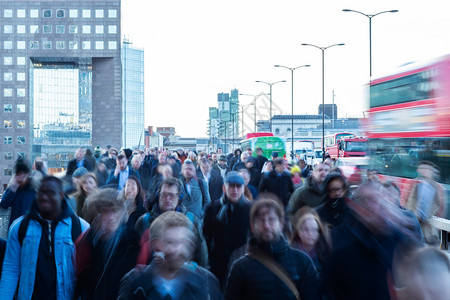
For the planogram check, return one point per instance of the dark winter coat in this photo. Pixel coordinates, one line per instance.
(278, 184)
(20, 201)
(215, 184)
(261, 161)
(311, 194)
(72, 166)
(334, 211)
(249, 279)
(226, 228)
(113, 181)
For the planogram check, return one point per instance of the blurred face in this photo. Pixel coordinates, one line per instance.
(107, 223)
(280, 168)
(166, 172)
(302, 164)
(266, 226)
(176, 246)
(49, 198)
(214, 157)
(308, 231)
(249, 165)
(89, 185)
(131, 189)
(113, 154)
(122, 163)
(336, 189)
(162, 159)
(269, 167)
(136, 163)
(188, 171)
(168, 198)
(246, 177)
(244, 156)
(234, 192)
(22, 178)
(204, 165)
(320, 172)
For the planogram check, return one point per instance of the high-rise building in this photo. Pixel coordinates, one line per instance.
(133, 95)
(60, 79)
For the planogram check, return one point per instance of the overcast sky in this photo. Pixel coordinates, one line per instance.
(196, 49)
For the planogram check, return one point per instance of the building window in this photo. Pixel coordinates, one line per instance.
(47, 13)
(8, 155)
(73, 29)
(112, 45)
(7, 92)
(86, 45)
(60, 29)
(7, 140)
(21, 61)
(20, 92)
(99, 45)
(34, 45)
(112, 13)
(7, 13)
(86, 29)
(7, 29)
(21, 13)
(73, 45)
(99, 13)
(7, 45)
(20, 28)
(20, 155)
(60, 45)
(86, 13)
(20, 108)
(34, 29)
(34, 13)
(60, 13)
(112, 29)
(99, 29)
(21, 76)
(7, 172)
(20, 123)
(7, 60)
(7, 76)
(20, 140)
(47, 29)
(7, 108)
(7, 124)
(73, 13)
(20, 45)
(47, 45)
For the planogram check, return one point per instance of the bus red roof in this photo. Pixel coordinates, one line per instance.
(258, 134)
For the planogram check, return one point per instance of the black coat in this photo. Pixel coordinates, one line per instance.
(280, 185)
(72, 166)
(113, 181)
(226, 227)
(333, 212)
(249, 279)
(261, 160)
(215, 184)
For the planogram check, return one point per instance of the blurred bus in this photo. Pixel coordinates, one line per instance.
(348, 147)
(409, 121)
(266, 141)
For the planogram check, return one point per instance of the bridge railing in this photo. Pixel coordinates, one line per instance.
(443, 226)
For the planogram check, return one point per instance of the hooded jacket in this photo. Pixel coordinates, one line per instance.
(311, 194)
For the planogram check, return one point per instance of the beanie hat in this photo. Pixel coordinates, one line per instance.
(21, 166)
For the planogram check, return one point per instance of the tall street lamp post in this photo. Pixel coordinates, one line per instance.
(270, 109)
(292, 103)
(323, 91)
(370, 30)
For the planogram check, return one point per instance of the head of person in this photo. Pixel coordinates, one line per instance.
(50, 197)
(165, 170)
(88, 184)
(279, 165)
(335, 186)
(127, 152)
(180, 152)
(162, 158)
(101, 165)
(244, 156)
(112, 153)
(246, 175)
(170, 234)
(171, 159)
(427, 169)
(249, 162)
(321, 171)
(136, 162)
(21, 172)
(39, 165)
(234, 187)
(169, 194)
(308, 227)
(237, 152)
(109, 211)
(80, 153)
(122, 162)
(266, 219)
(249, 151)
(302, 164)
(133, 190)
(219, 150)
(422, 274)
(77, 174)
(192, 156)
(188, 169)
(274, 155)
(205, 165)
(259, 151)
(214, 157)
(295, 171)
(97, 151)
(268, 166)
(222, 160)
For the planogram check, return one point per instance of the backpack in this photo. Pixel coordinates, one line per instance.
(76, 228)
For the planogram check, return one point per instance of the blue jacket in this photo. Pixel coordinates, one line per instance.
(198, 199)
(21, 260)
(20, 201)
(113, 181)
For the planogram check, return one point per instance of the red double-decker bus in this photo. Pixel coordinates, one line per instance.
(409, 121)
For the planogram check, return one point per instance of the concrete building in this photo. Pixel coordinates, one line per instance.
(133, 95)
(61, 79)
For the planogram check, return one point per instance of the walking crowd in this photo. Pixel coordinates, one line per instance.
(160, 224)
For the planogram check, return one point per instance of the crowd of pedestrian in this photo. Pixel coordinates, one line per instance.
(161, 224)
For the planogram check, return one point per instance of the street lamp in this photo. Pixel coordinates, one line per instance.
(292, 103)
(323, 91)
(243, 107)
(370, 30)
(254, 102)
(270, 84)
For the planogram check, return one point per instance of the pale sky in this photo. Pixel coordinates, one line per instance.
(198, 48)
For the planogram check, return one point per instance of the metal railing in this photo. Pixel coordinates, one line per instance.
(443, 226)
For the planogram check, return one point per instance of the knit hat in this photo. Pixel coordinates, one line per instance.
(79, 172)
(21, 166)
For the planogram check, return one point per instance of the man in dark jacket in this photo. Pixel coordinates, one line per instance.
(118, 177)
(79, 161)
(250, 277)
(211, 177)
(222, 166)
(20, 194)
(235, 158)
(311, 194)
(226, 226)
(240, 164)
(278, 181)
(260, 158)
